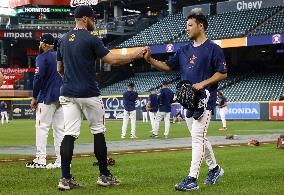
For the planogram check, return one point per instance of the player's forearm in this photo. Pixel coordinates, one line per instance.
(162, 66)
(214, 79)
(122, 59)
(60, 68)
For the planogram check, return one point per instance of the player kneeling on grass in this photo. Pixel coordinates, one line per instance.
(201, 63)
(77, 52)
(46, 87)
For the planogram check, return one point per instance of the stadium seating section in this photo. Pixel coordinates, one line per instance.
(241, 87)
(225, 25)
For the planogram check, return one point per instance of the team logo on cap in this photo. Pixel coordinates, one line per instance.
(75, 3)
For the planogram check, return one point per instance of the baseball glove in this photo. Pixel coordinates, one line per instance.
(185, 94)
(230, 137)
(110, 161)
(253, 142)
(148, 107)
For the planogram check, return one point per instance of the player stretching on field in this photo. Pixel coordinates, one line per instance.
(129, 101)
(46, 87)
(77, 51)
(201, 62)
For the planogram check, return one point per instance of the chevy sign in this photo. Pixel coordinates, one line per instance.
(242, 111)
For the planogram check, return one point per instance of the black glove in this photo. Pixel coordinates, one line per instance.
(185, 94)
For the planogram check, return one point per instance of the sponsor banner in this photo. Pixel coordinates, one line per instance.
(235, 42)
(13, 76)
(35, 34)
(114, 106)
(241, 5)
(241, 111)
(276, 110)
(204, 8)
(265, 40)
(75, 3)
(8, 85)
(16, 70)
(22, 111)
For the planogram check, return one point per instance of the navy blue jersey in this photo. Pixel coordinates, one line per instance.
(197, 64)
(78, 50)
(223, 99)
(153, 98)
(165, 100)
(129, 100)
(47, 81)
(3, 107)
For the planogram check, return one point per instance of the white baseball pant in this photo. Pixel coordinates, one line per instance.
(152, 116)
(4, 114)
(48, 115)
(223, 112)
(201, 147)
(126, 116)
(92, 108)
(162, 115)
(145, 117)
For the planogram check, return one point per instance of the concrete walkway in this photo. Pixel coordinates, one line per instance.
(142, 144)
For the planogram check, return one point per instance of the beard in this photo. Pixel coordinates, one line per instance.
(40, 50)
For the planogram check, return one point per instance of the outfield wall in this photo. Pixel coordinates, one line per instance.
(273, 110)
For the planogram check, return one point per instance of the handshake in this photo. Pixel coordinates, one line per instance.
(144, 52)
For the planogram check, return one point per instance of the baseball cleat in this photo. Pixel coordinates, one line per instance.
(53, 165)
(35, 165)
(188, 184)
(68, 184)
(107, 180)
(214, 175)
(123, 137)
(154, 136)
(133, 136)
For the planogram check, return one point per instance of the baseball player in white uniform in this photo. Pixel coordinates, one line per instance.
(144, 114)
(153, 106)
(4, 114)
(45, 100)
(223, 109)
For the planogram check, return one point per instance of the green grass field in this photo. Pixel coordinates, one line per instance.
(22, 132)
(248, 170)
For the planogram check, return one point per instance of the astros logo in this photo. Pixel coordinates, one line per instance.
(72, 37)
(192, 60)
(225, 65)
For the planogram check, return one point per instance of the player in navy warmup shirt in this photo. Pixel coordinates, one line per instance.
(129, 101)
(46, 89)
(153, 105)
(4, 113)
(165, 104)
(77, 52)
(201, 62)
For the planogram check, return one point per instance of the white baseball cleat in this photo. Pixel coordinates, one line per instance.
(53, 165)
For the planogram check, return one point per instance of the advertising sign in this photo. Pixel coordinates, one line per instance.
(276, 110)
(23, 111)
(241, 111)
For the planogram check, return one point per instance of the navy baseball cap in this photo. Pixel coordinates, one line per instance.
(47, 38)
(84, 10)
